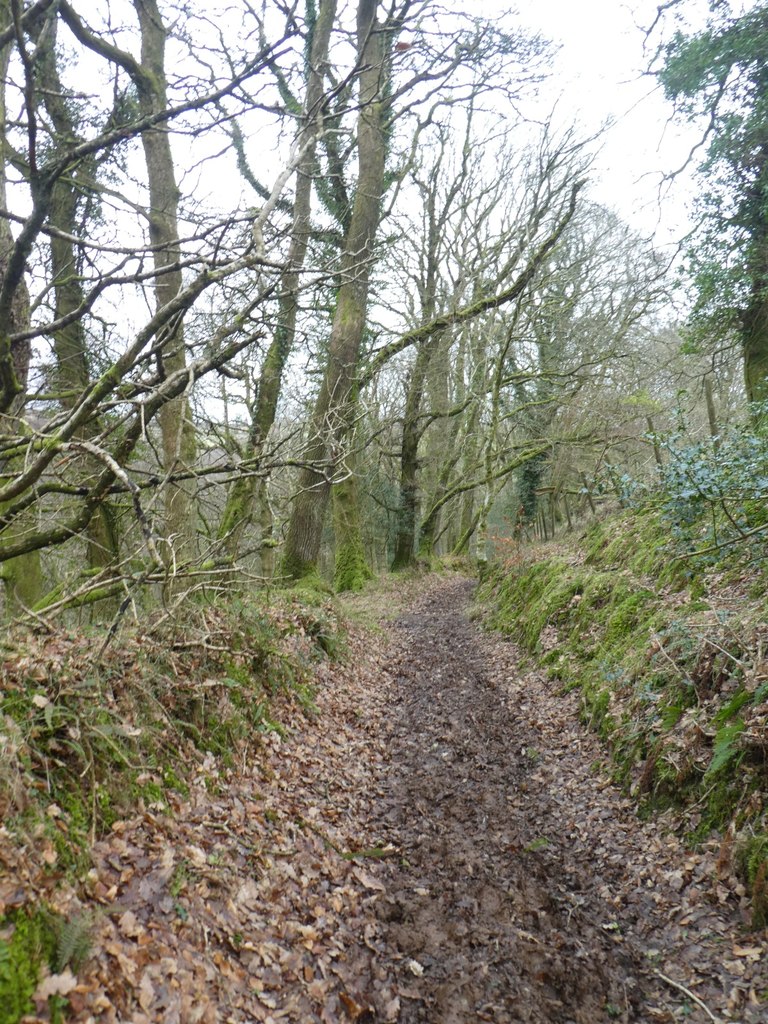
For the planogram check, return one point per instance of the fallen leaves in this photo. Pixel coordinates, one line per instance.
(55, 985)
(434, 846)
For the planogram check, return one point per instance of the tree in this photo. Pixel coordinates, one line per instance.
(720, 75)
(21, 575)
(332, 416)
(238, 510)
(102, 270)
(74, 201)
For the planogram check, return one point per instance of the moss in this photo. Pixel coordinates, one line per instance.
(308, 585)
(626, 615)
(752, 864)
(27, 944)
(351, 572)
(596, 701)
(545, 591)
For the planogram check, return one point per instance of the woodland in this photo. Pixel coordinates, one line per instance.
(382, 523)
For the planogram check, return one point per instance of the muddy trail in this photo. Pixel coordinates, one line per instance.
(528, 889)
(438, 841)
(501, 933)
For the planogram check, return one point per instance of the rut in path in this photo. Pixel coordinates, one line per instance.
(499, 935)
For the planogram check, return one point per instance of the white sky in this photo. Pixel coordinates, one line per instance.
(598, 78)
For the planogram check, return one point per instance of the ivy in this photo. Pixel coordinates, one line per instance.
(714, 493)
(718, 78)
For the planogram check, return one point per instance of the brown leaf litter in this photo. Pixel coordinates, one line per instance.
(435, 845)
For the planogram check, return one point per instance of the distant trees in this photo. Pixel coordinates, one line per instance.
(481, 59)
(484, 242)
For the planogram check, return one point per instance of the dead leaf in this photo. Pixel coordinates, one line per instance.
(55, 985)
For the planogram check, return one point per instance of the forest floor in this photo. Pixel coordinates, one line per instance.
(441, 843)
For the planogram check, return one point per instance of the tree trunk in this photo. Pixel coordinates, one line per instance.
(755, 351)
(351, 570)
(22, 576)
(334, 406)
(405, 540)
(239, 508)
(176, 426)
(709, 398)
(567, 508)
(69, 342)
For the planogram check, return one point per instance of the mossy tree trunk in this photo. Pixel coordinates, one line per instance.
(176, 426)
(22, 576)
(333, 413)
(351, 570)
(239, 510)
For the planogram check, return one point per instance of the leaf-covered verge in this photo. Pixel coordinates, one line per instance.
(670, 659)
(93, 735)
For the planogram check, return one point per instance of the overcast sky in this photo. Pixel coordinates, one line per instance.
(598, 77)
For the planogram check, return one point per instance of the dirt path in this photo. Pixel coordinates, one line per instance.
(437, 846)
(532, 891)
(502, 933)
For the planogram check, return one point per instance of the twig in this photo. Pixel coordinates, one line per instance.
(686, 991)
(374, 852)
(712, 643)
(303, 823)
(673, 663)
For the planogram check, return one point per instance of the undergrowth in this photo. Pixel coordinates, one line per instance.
(88, 738)
(669, 657)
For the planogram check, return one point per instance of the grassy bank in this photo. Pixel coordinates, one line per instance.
(669, 656)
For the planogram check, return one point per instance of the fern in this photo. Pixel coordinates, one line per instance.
(74, 941)
(726, 747)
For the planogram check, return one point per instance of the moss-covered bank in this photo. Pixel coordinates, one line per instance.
(669, 661)
(91, 735)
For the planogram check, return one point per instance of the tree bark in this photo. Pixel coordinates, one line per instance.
(334, 407)
(176, 426)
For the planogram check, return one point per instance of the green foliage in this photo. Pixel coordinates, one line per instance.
(726, 751)
(752, 862)
(31, 940)
(712, 495)
(74, 940)
(27, 943)
(719, 78)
